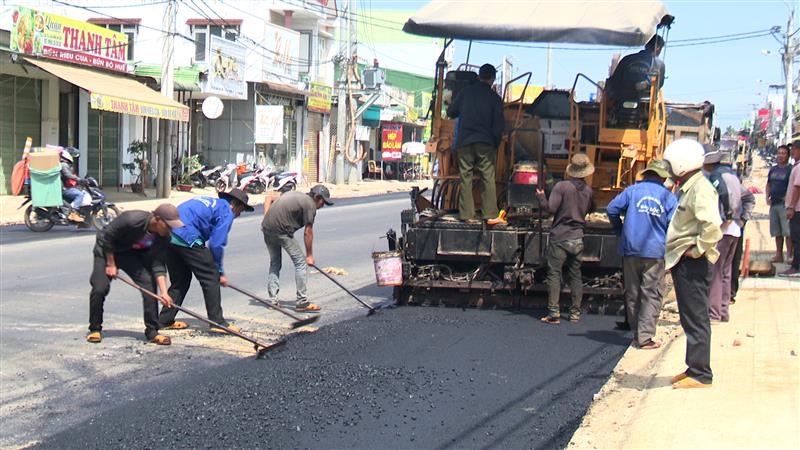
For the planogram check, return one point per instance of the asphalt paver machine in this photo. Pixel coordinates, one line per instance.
(456, 263)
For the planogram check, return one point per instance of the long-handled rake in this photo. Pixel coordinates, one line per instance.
(298, 321)
(260, 347)
(336, 282)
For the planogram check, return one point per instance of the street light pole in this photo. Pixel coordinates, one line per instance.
(167, 87)
(788, 58)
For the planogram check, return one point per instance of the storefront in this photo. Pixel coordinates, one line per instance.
(20, 98)
(317, 132)
(85, 100)
(279, 114)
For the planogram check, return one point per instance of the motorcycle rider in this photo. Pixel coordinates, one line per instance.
(69, 183)
(197, 248)
(136, 242)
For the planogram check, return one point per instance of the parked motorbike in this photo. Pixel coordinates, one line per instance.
(99, 214)
(212, 174)
(228, 179)
(284, 181)
(257, 181)
(198, 178)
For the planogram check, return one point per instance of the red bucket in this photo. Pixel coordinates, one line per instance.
(525, 174)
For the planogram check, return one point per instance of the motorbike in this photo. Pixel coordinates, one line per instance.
(283, 181)
(256, 182)
(228, 179)
(211, 175)
(99, 214)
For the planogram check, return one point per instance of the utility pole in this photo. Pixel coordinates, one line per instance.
(352, 168)
(549, 83)
(341, 110)
(167, 86)
(788, 58)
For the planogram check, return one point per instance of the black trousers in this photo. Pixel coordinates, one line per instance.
(736, 264)
(138, 265)
(794, 231)
(691, 278)
(182, 262)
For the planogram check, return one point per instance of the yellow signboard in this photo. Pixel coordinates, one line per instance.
(138, 108)
(50, 36)
(320, 98)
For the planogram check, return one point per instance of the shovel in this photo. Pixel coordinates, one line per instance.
(298, 321)
(370, 308)
(256, 344)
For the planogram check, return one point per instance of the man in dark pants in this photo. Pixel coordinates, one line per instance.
(480, 128)
(647, 207)
(136, 242)
(569, 202)
(197, 248)
(691, 249)
(748, 205)
(792, 203)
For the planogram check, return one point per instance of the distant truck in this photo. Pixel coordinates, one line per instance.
(690, 120)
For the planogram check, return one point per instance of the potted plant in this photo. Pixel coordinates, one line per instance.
(138, 166)
(191, 164)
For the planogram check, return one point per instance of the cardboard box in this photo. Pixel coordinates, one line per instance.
(44, 160)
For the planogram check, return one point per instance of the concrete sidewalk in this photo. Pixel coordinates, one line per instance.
(755, 400)
(9, 214)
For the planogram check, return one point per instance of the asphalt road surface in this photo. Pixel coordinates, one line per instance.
(406, 377)
(412, 377)
(50, 378)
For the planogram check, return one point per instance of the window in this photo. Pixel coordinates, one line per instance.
(130, 30)
(202, 34)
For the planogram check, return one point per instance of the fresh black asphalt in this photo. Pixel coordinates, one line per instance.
(411, 377)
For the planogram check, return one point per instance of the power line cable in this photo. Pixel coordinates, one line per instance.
(122, 20)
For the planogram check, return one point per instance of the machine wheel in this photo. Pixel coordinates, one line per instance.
(36, 223)
(220, 185)
(103, 216)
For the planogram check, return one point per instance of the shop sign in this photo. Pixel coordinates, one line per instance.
(47, 35)
(392, 142)
(281, 53)
(320, 98)
(226, 64)
(269, 124)
(137, 108)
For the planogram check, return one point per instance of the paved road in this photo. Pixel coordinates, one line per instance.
(411, 377)
(51, 378)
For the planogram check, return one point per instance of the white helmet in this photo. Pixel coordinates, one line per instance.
(683, 156)
(67, 156)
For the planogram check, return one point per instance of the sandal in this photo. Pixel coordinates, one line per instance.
(177, 325)
(309, 308)
(219, 330)
(94, 337)
(650, 345)
(160, 339)
(551, 320)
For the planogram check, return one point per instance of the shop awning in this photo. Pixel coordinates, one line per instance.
(286, 89)
(117, 93)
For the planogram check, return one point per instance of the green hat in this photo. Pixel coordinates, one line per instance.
(659, 167)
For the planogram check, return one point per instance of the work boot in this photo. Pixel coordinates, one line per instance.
(75, 217)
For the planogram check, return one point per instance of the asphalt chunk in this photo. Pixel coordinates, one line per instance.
(405, 378)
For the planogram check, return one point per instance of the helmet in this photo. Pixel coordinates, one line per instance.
(66, 156)
(684, 156)
(69, 154)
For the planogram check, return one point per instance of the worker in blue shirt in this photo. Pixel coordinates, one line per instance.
(647, 207)
(197, 248)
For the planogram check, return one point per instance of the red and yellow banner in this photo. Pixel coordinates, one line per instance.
(138, 108)
(392, 142)
(51, 36)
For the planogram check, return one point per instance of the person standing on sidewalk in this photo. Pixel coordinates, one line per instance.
(136, 242)
(197, 248)
(479, 111)
(777, 185)
(729, 191)
(691, 249)
(792, 205)
(569, 202)
(748, 205)
(283, 216)
(647, 207)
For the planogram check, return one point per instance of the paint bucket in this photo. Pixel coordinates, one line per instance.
(388, 268)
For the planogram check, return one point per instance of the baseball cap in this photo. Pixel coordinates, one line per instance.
(169, 214)
(659, 167)
(323, 192)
